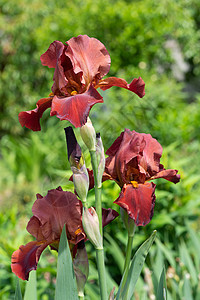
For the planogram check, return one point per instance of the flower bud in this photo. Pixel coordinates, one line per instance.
(90, 222)
(88, 135)
(128, 222)
(76, 160)
(100, 159)
(81, 181)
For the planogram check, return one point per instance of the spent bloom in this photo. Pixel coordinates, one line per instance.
(50, 214)
(79, 67)
(133, 160)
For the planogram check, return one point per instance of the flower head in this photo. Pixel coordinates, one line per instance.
(133, 160)
(80, 66)
(50, 214)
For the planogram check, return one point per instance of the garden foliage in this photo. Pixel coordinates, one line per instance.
(160, 43)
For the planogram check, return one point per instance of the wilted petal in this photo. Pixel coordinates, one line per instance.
(137, 85)
(88, 55)
(108, 215)
(73, 148)
(138, 202)
(81, 267)
(25, 259)
(169, 174)
(76, 108)
(56, 209)
(51, 56)
(31, 118)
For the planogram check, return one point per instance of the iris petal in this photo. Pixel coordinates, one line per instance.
(25, 259)
(137, 85)
(138, 202)
(76, 108)
(31, 118)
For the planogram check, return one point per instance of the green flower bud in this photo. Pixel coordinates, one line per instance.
(88, 135)
(81, 181)
(90, 222)
(100, 159)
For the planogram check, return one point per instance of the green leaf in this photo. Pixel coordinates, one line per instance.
(18, 293)
(31, 289)
(162, 287)
(65, 282)
(187, 291)
(167, 253)
(187, 260)
(115, 251)
(137, 263)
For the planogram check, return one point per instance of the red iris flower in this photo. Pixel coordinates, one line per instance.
(79, 65)
(50, 214)
(133, 160)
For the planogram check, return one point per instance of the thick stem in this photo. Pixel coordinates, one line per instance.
(99, 252)
(102, 273)
(81, 297)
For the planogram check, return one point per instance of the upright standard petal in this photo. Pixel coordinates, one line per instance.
(76, 108)
(152, 153)
(88, 55)
(136, 86)
(56, 209)
(124, 154)
(53, 53)
(31, 118)
(25, 259)
(138, 202)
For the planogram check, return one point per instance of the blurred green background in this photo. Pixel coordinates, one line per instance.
(157, 40)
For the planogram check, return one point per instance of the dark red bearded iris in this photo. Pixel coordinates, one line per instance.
(50, 214)
(133, 160)
(79, 65)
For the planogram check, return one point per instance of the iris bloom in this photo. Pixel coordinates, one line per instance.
(79, 65)
(133, 160)
(50, 214)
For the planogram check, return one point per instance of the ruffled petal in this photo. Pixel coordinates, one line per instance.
(115, 146)
(170, 175)
(124, 156)
(138, 202)
(51, 56)
(152, 153)
(56, 209)
(88, 55)
(76, 108)
(137, 85)
(26, 258)
(31, 118)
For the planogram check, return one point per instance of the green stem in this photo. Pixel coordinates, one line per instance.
(81, 297)
(99, 252)
(102, 273)
(128, 257)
